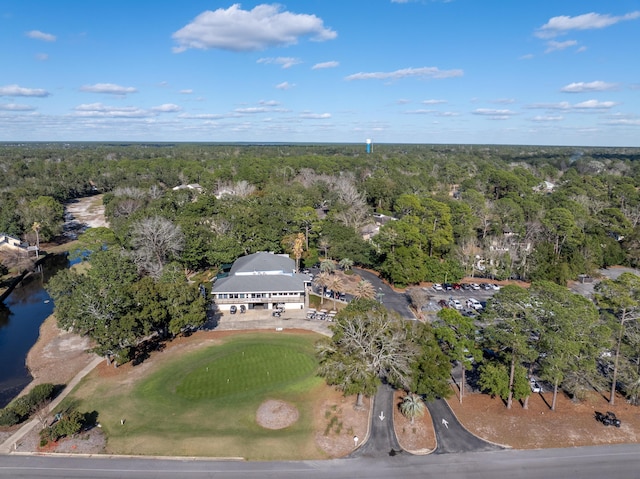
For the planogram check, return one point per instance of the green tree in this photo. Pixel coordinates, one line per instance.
(367, 346)
(456, 334)
(512, 328)
(569, 332)
(412, 406)
(622, 297)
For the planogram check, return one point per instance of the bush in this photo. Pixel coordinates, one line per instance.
(40, 393)
(8, 417)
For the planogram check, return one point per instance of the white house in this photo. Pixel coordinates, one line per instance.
(261, 281)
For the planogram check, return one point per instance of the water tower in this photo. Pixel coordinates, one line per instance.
(369, 145)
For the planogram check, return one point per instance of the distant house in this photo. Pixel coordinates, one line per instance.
(261, 281)
(9, 242)
(192, 186)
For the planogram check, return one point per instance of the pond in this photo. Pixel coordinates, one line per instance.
(20, 318)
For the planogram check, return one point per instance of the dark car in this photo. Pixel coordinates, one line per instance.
(457, 286)
(608, 419)
(447, 286)
(233, 309)
(443, 304)
(466, 286)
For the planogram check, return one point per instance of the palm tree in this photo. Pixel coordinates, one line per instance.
(327, 266)
(336, 285)
(364, 290)
(412, 406)
(346, 264)
(322, 281)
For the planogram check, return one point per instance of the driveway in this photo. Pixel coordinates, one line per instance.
(393, 300)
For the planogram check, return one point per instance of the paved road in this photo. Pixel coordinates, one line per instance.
(382, 439)
(392, 300)
(612, 462)
(450, 435)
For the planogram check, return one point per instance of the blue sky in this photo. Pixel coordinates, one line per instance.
(561, 72)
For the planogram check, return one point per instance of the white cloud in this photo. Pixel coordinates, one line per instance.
(16, 90)
(547, 118)
(553, 45)
(108, 88)
(528, 56)
(589, 21)
(433, 102)
(503, 101)
(15, 107)
(286, 62)
(100, 110)
(423, 72)
(252, 110)
(323, 65)
(403, 101)
(624, 122)
(38, 35)
(285, 85)
(167, 108)
(187, 91)
(43, 57)
(494, 114)
(595, 104)
(582, 106)
(580, 87)
(269, 102)
(315, 116)
(249, 30)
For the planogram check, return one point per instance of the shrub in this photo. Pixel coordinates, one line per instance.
(8, 417)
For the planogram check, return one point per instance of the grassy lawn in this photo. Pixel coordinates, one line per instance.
(204, 402)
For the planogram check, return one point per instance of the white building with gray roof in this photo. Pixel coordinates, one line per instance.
(261, 281)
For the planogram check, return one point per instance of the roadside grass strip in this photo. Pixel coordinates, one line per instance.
(204, 403)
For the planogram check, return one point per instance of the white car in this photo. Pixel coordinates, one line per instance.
(474, 304)
(437, 287)
(535, 386)
(475, 286)
(495, 287)
(454, 303)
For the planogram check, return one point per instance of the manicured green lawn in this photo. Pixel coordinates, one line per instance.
(204, 403)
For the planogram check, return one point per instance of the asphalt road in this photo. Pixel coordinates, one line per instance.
(382, 440)
(451, 436)
(393, 301)
(612, 462)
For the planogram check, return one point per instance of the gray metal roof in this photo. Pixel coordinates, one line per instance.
(272, 283)
(263, 262)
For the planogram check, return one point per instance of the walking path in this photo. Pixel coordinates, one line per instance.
(7, 446)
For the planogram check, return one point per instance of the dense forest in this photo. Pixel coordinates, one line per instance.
(413, 213)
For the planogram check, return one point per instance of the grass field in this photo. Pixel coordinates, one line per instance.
(204, 402)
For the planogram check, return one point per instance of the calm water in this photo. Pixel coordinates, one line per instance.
(20, 318)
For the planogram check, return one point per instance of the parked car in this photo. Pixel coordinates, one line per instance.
(495, 287)
(486, 286)
(535, 386)
(447, 286)
(454, 303)
(608, 419)
(457, 286)
(466, 286)
(233, 309)
(475, 286)
(443, 304)
(473, 303)
(437, 287)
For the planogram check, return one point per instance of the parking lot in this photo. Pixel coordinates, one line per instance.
(458, 296)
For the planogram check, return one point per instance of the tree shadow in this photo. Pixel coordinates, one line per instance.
(143, 350)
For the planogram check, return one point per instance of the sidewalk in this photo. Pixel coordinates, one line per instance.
(8, 445)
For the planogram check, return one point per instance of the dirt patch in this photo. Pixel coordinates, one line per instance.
(337, 421)
(419, 437)
(57, 355)
(572, 424)
(275, 414)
